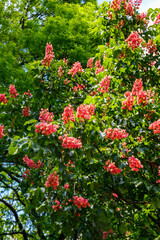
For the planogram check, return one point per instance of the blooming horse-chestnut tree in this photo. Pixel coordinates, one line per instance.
(82, 160)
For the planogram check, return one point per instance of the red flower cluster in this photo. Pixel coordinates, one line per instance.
(115, 133)
(66, 186)
(90, 63)
(71, 142)
(26, 174)
(134, 163)
(157, 20)
(52, 180)
(104, 84)
(137, 87)
(110, 167)
(30, 163)
(128, 103)
(68, 114)
(85, 111)
(79, 86)
(49, 54)
(134, 40)
(1, 131)
(129, 8)
(81, 202)
(46, 116)
(155, 126)
(152, 49)
(28, 94)
(25, 112)
(77, 68)
(105, 233)
(137, 3)
(142, 98)
(70, 164)
(60, 71)
(116, 4)
(46, 128)
(57, 206)
(13, 91)
(3, 98)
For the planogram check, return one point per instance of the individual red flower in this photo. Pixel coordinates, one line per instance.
(68, 114)
(80, 202)
(52, 180)
(13, 91)
(49, 54)
(135, 164)
(25, 111)
(3, 98)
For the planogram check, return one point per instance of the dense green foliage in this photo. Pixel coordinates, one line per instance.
(119, 200)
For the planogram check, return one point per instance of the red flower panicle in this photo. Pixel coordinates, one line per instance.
(104, 84)
(77, 68)
(26, 174)
(60, 71)
(85, 111)
(137, 3)
(157, 20)
(137, 87)
(129, 8)
(115, 133)
(134, 40)
(13, 91)
(3, 98)
(81, 202)
(155, 126)
(116, 5)
(57, 206)
(1, 131)
(25, 111)
(28, 94)
(66, 186)
(135, 164)
(46, 116)
(52, 181)
(71, 142)
(48, 55)
(68, 114)
(90, 63)
(110, 167)
(142, 98)
(30, 163)
(128, 103)
(46, 128)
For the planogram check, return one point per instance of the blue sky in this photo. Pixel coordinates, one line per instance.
(145, 5)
